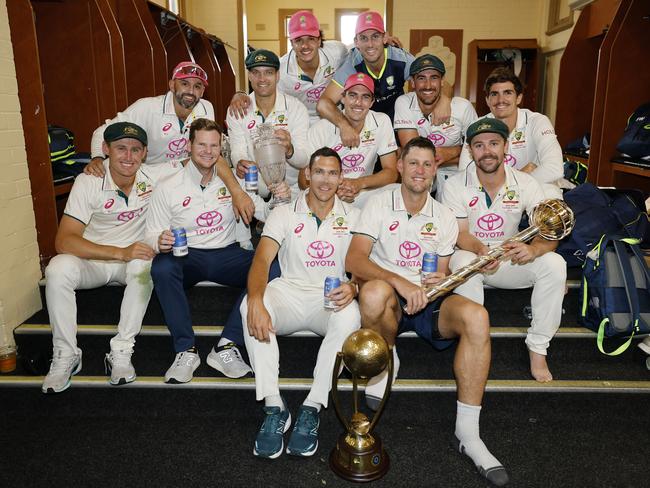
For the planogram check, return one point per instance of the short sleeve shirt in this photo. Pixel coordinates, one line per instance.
(389, 84)
(399, 239)
(377, 139)
(309, 253)
(297, 84)
(494, 223)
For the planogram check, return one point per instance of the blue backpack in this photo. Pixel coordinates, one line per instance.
(635, 142)
(614, 291)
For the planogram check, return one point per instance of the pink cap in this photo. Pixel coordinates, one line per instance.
(187, 69)
(303, 23)
(360, 79)
(369, 20)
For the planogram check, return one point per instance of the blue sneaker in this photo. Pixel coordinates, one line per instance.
(269, 442)
(304, 437)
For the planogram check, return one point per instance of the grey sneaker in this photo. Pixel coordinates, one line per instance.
(183, 367)
(61, 370)
(120, 366)
(228, 361)
(644, 345)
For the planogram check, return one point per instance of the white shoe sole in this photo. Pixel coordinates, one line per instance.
(122, 381)
(303, 454)
(175, 381)
(49, 391)
(279, 453)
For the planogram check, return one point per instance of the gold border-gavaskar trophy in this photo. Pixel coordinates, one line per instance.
(359, 454)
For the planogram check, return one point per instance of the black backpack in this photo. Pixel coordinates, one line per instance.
(635, 142)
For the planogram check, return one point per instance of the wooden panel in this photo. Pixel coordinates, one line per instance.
(161, 74)
(204, 56)
(172, 36)
(452, 39)
(32, 107)
(228, 81)
(601, 14)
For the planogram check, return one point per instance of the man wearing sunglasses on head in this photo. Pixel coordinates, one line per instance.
(167, 119)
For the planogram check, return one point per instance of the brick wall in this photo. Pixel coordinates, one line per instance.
(19, 262)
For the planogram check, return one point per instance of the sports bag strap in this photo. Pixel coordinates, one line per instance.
(601, 337)
(639, 256)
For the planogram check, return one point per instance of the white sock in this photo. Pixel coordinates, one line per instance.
(309, 403)
(274, 401)
(467, 432)
(223, 341)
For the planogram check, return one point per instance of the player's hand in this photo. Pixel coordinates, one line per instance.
(137, 250)
(431, 279)
(242, 168)
(259, 321)
(165, 240)
(349, 189)
(415, 296)
(529, 168)
(284, 138)
(442, 113)
(95, 167)
(243, 206)
(343, 295)
(393, 41)
(492, 266)
(519, 252)
(349, 136)
(239, 105)
(281, 190)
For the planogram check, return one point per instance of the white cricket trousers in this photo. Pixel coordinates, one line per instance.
(67, 273)
(547, 276)
(294, 308)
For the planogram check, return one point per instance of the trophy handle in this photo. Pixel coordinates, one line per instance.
(389, 384)
(335, 393)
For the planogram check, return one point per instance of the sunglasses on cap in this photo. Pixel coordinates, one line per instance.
(190, 71)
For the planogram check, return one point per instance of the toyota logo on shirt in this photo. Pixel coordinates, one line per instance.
(409, 249)
(129, 215)
(320, 251)
(352, 163)
(490, 222)
(314, 94)
(209, 219)
(510, 160)
(437, 139)
(177, 145)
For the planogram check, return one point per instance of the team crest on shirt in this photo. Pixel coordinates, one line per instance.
(329, 71)
(518, 138)
(281, 120)
(428, 231)
(340, 227)
(367, 137)
(223, 195)
(510, 200)
(390, 81)
(143, 189)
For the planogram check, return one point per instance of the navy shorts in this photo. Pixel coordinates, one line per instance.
(425, 324)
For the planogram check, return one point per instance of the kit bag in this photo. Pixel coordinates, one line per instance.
(61, 143)
(614, 291)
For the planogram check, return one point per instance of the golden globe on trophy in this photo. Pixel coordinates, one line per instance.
(359, 454)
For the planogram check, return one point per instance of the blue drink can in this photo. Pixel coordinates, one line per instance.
(429, 263)
(180, 242)
(331, 282)
(250, 179)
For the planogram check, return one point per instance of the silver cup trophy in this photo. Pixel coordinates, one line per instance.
(270, 159)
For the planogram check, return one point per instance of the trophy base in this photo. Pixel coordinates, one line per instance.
(360, 466)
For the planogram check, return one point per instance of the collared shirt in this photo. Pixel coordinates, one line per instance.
(111, 217)
(289, 114)
(310, 252)
(389, 83)
(205, 213)
(532, 140)
(167, 137)
(492, 222)
(400, 239)
(297, 84)
(377, 139)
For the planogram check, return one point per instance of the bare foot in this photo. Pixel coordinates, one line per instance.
(539, 368)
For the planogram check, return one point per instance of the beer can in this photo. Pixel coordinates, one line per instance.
(331, 283)
(250, 179)
(429, 263)
(180, 242)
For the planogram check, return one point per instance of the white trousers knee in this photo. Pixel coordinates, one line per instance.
(293, 308)
(547, 276)
(67, 273)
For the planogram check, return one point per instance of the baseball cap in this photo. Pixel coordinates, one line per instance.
(369, 20)
(125, 130)
(262, 57)
(303, 23)
(427, 61)
(487, 125)
(359, 79)
(187, 69)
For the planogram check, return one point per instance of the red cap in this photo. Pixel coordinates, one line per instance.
(303, 23)
(369, 20)
(187, 69)
(360, 79)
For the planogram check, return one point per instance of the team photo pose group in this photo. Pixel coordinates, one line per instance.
(374, 179)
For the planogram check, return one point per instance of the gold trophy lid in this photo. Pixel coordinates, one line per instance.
(365, 353)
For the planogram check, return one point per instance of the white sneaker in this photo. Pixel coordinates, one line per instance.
(183, 367)
(644, 345)
(227, 360)
(120, 366)
(376, 385)
(61, 370)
